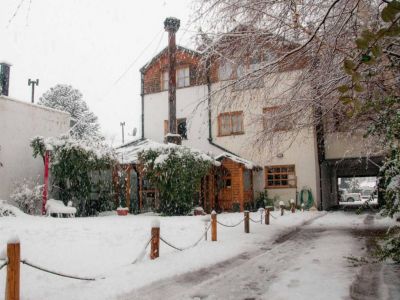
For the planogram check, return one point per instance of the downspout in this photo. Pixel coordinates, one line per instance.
(210, 139)
(142, 96)
(319, 128)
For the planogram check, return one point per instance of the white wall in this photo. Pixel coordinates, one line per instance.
(19, 122)
(191, 103)
(341, 145)
(294, 147)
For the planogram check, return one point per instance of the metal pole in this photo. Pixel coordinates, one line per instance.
(123, 134)
(33, 83)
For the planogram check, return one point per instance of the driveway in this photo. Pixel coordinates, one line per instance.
(319, 260)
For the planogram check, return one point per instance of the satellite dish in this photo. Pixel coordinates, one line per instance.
(134, 131)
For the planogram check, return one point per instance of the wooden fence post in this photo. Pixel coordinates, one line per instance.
(282, 206)
(246, 221)
(155, 239)
(267, 212)
(213, 226)
(13, 270)
(292, 206)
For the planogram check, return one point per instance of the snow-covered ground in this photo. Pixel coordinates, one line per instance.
(105, 247)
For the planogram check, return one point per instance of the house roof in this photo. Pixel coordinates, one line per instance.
(129, 153)
(154, 59)
(247, 163)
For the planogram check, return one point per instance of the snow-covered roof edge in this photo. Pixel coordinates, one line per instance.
(128, 153)
(247, 163)
(153, 59)
(34, 105)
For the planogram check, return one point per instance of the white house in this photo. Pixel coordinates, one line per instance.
(19, 122)
(208, 121)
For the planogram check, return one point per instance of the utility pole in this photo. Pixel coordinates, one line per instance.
(171, 25)
(123, 135)
(33, 83)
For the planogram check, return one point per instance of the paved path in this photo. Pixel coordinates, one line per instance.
(307, 263)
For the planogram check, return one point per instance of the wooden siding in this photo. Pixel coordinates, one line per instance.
(236, 193)
(152, 74)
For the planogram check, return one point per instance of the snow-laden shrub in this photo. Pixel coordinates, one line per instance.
(176, 172)
(28, 195)
(80, 172)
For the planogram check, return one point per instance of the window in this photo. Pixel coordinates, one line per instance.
(164, 81)
(253, 80)
(225, 70)
(182, 77)
(230, 123)
(181, 127)
(273, 120)
(280, 176)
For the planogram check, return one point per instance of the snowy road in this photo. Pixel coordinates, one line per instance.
(308, 263)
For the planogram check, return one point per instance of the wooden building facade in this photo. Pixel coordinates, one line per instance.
(227, 187)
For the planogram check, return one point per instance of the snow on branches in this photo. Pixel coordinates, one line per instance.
(66, 98)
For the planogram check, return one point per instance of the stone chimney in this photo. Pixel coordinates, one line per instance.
(171, 25)
(4, 78)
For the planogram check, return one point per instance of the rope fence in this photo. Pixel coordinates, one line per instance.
(25, 262)
(13, 261)
(3, 265)
(228, 225)
(188, 247)
(143, 252)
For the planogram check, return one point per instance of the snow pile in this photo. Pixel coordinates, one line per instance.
(7, 210)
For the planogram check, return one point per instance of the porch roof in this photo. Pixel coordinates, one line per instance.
(129, 153)
(247, 163)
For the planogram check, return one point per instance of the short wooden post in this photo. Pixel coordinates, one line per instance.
(267, 212)
(13, 270)
(246, 221)
(282, 206)
(155, 239)
(213, 226)
(292, 206)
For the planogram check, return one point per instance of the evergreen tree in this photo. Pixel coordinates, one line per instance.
(64, 97)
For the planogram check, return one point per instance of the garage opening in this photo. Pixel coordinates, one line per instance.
(356, 191)
(337, 174)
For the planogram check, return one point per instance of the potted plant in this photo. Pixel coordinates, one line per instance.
(122, 211)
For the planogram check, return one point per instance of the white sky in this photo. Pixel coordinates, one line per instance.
(88, 44)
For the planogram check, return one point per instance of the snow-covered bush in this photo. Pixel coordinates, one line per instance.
(28, 195)
(176, 172)
(81, 172)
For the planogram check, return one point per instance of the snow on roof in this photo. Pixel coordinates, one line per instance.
(97, 147)
(129, 153)
(153, 59)
(247, 163)
(34, 105)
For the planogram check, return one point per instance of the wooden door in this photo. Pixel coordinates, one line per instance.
(225, 194)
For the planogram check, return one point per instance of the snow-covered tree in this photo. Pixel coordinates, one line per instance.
(66, 98)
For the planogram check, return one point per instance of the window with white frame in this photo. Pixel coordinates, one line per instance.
(164, 81)
(225, 70)
(182, 77)
(230, 123)
(280, 176)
